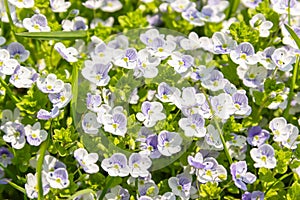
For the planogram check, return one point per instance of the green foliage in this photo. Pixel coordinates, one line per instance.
(283, 157)
(209, 191)
(133, 19)
(241, 32)
(293, 192)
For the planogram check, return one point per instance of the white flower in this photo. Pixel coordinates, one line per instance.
(139, 165)
(151, 113)
(31, 185)
(260, 23)
(59, 5)
(35, 136)
(87, 161)
(69, 54)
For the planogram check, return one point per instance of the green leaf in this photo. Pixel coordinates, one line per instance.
(293, 192)
(293, 34)
(233, 5)
(210, 190)
(56, 35)
(283, 157)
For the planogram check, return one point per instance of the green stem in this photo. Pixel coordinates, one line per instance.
(103, 193)
(293, 83)
(278, 180)
(16, 186)
(9, 92)
(11, 23)
(81, 192)
(219, 130)
(39, 168)
(74, 91)
(289, 12)
(233, 5)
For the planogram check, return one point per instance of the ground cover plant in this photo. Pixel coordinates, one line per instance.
(149, 99)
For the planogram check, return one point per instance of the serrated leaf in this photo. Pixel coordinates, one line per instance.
(55, 35)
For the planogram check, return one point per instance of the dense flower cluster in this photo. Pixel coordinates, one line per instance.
(149, 114)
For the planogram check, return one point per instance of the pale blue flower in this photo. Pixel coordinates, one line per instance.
(257, 136)
(111, 5)
(212, 137)
(182, 5)
(263, 156)
(252, 75)
(117, 192)
(23, 77)
(18, 52)
(282, 7)
(255, 195)
(78, 23)
(59, 5)
(7, 65)
(127, 58)
(240, 175)
(151, 113)
(149, 146)
(279, 129)
(93, 4)
(139, 165)
(87, 160)
(146, 64)
(50, 84)
(2, 40)
(90, 124)
(31, 186)
(166, 93)
(22, 3)
(46, 115)
(181, 62)
(119, 42)
(223, 106)
(191, 43)
(215, 81)
(102, 53)
(116, 122)
(283, 59)
(244, 54)
(62, 98)
(58, 179)
(292, 142)
(211, 13)
(169, 143)
(237, 146)
(34, 135)
(148, 188)
(96, 73)
(5, 156)
(240, 101)
(193, 126)
(251, 3)
(212, 172)
(223, 43)
(93, 102)
(37, 23)
(69, 54)
(260, 23)
(192, 15)
(116, 165)
(181, 185)
(202, 73)
(161, 48)
(14, 134)
(265, 58)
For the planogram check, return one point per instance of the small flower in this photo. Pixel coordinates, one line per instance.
(257, 136)
(223, 105)
(23, 77)
(237, 147)
(266, 58)
(50, 84)
(193, 126)
(263, 156)
(69, 54)
(240, 175)
(292, 142)
(251, 3)
(279, 128)
(96, 73)
(192, 43)
(14, 134)
(37, 23)
(192, 15)
(257, 195)
(127, 59)
(146, 64)
(215, 81)
(252, 75)
(117, 192)
(244, 54)
(93, 102)
(46, 115)
(116, 123)
(223, 43)
(181, 185)
(62, 98)
(260, 23)
(7, 65)
(213, 138)
(161, 48)
(22, 3)
(87, 161)
(240, 101)
(93, 4)
(169, 143)
(90, 125)
(78, 23)
(151, 113)
(139, 165)
(35, 136)
(111, 5)
(166, 93)
(283, 59)
(18, 52)
(181, 62)
(58, 179)
(149, 146)
(5, 156)
(59, 6)
(31, 185)
(116, 165)
(212, 172)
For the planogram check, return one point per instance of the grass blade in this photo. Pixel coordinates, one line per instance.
(293, 34)
(233, 6)
(56, 35)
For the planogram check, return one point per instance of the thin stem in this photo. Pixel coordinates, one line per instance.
(74, 91)
(278, 180)
(289, 12)
(219, 130)
(11, 23)
(106, 188)
(9, 92)
(17, 187)
(39, 167)
(293, 83)
(81, 192)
